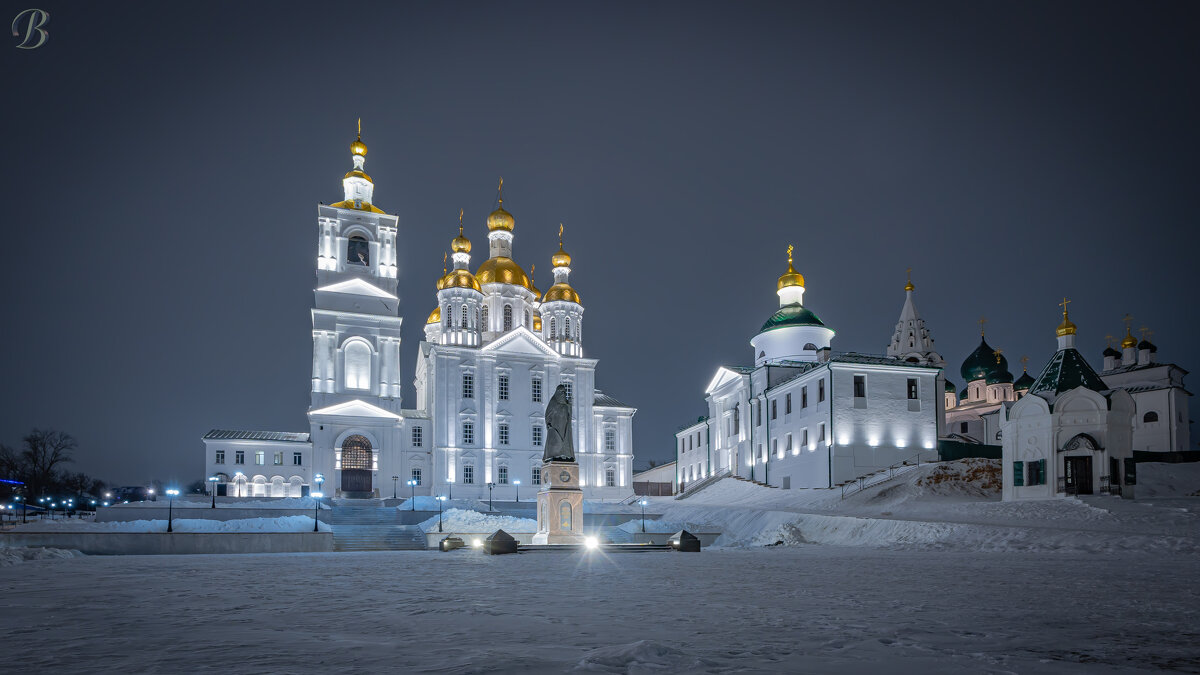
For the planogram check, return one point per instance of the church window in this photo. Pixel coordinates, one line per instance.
(737, 418)
(484, 320)
(567, 331)
(468, 474)
(416, 476)
(821, 437)
(610, 478)
(810, 347)
(787, 445)
(468, 433)
(774, 408)
(358, 365)
(260, 457)
(503, 387)
(508, 317)
(774, 448)
(535, 389)
(503, 435)
(860, 386)
(528, 320)
(503, 473)
(803, 437)
(568, 384)
(962, 428)
(912, 389)
(552, 335)
(610, 440)
(1018, 474)
(416, 436)
(536, 477)
(220, 457)
(804, 397)
(821, 390)
(358, 251)
(463, 320)
(787, 404)
(278, 459)
(758, 414)
(297, 459)
(1150, 417)
(537, 436)
(468, 387)
(239, 457)
(448, 319)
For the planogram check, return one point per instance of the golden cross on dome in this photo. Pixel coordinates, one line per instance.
(1143, 331)
(560, 235)
(1025, 364)
(997, 352)
(460, 222)
(1128, 319)
(982, 320)
(500, 191)
(444, 256)
(1108, 340)
(1149, 333)
(360, 128)
(790, 249)
(1064, 304)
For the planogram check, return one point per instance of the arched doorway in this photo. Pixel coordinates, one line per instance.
(356, 467)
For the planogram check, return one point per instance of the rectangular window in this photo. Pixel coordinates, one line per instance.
(468, 389)
(535, 389)
(537, 475)
(912, 389)
(468, 433)
(821, 437)
(220, 457)
(962, 428)
(503, 387)
(774, 408)
(860, 386)
(416, 437)
(537, 436)
(503, 473)
(610, 440)
(737, 418)
(788, 446)
(787, 404)
(1018, 473)
(775, 447)
(416, 476)
(821, 390)
(239, 457)
(468, 474)
(804, 397)
(804, 438)
(278, 459)
(758, 414)
(503, 435)
(610, 478)
(297, 459)
(260, 457)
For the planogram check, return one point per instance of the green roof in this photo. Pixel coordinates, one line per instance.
(1066, 370)
(791, 315)
(980, 363)
(1023, 382)
(950, 386)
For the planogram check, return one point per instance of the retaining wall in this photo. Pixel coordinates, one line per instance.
(174, 543)
(117, 514)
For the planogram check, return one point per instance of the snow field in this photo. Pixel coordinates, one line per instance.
(461, 520)
(280, 524)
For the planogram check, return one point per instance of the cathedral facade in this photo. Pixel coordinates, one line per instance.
(495, 349)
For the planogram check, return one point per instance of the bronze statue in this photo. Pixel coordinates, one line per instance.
(559, 445)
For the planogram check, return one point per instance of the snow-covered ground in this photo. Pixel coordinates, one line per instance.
(810, 609)
(460, 520)
(196, 502)
(280, 524)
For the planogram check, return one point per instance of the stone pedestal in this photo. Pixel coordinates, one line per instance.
(559, 505)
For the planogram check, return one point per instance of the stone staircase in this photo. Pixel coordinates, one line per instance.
(367, 525)
(756, 482)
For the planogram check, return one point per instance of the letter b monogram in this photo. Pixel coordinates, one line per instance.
(34, 35)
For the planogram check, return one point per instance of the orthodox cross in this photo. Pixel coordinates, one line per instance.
(500, 191)
(460, 222)
(1128, 319)
(1064, 304)
(1024, 364)
(360, 128)
(444, 256)
(982, 320)
(560, 235)
(790, 249)
(997, 353)
(1108, 340)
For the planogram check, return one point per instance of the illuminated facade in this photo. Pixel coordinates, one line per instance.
(495, 350)
(805, 417)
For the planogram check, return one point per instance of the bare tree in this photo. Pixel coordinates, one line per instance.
(44, 451)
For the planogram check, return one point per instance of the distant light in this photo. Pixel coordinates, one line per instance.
(172, 492)
(874, 442)
(476, 543)
(643, 502)
(901, 443)
(213, 479)
(928, 445)
(591, 543)
(318, 495)
(516, 482)
(151, 491)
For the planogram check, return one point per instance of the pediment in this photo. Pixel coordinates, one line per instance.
(356, 287)
(520, 341)
(355, 408)
(723, 377)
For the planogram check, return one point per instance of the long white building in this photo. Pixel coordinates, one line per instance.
(495, 350)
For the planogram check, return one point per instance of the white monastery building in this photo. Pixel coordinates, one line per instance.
(495, 349)
(805, 417)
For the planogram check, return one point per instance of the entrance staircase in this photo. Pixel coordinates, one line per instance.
(367, 525)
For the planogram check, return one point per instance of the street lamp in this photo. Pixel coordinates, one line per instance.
(24, 508)
(517, 485)
(319, 479)
(490, 486)
(170, 506)
(316, 508)
(213, 480)
(450, 482)
(440, 499)
(643, 503)
(412, 485)
(395, 480)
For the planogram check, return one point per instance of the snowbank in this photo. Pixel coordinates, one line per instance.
(663, 526)
(461, 520)
(428, 503)
(1159, 479)
(281, 524)
(12, 556)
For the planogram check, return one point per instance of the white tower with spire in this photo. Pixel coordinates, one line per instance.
(912, 342)
(561, 311)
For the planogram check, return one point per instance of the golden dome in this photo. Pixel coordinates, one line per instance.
(909, 286)
(435, 316)
(561, 259)
(358, 174)
(358, 147)
(1067, 327)
(791, 277)
(502, 270)
(460, 244)
(537, 322)
(500, 219)
(459, 279)
(1129, 340)
(561, 292)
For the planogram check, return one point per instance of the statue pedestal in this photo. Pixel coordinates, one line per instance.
(559, 505)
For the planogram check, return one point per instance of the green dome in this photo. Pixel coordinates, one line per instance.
(1000, 377)
(982, 362)
(1023, 382)
(791, 315)
(949, 387)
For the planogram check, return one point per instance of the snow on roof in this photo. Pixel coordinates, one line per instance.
(604, 400)
(233, 435)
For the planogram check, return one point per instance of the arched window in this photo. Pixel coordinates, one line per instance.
(358, 251)
(464, 316)
(567, 330)
(356, 453)
(551, 328)
(508, 317)
(483, 320)
(358, 365)
(448, 315)
(810, 347)
(1150, 417)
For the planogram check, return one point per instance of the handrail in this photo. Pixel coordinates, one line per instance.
(701, 484)
(865, 481)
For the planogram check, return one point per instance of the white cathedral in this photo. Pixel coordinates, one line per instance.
(495, 349)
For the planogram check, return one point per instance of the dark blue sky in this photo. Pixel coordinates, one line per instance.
(163, 164)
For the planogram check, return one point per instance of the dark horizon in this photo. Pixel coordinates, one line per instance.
(164, 166)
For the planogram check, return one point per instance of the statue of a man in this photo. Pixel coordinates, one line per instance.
(559, 445)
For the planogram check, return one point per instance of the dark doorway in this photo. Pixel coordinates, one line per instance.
(356, 467)
(1078, 473)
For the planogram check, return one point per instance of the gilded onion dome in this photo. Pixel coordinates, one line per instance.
(1129, 340)
(500, 219)
(791, 277)
(435, 316)
(561, 258)
(501, 270)
(1067, 327)
(358, 147)
(562, 292)
(460, 279)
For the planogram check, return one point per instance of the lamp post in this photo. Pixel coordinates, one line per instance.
(319, 479)
(517, 486)
(213, 480)
(643, 503)
(395, 480)
(24, 508)
(412, 485)
(490, 486)
(316, 508)
(450, 483)
(170, 506)
(440, 499)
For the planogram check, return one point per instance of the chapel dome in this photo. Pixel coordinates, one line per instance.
(435, 316)
(1146, 344)
(791, 315)
(1109, 351)
(502, 270)
(500, 220)
(459, 279)
(950, 388)
(980, 363)
(1023, 382)
(561, 292)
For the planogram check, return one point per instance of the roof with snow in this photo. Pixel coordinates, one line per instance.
(1066, 370)
(604, 400)
(233, 435)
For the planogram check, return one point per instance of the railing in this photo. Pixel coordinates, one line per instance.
(882, 476)
(1107, 487)
(691, 488)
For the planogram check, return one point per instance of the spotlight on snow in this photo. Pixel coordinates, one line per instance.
(591, 543)
(476, 543)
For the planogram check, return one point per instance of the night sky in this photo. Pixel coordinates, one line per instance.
(162, 167)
